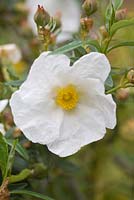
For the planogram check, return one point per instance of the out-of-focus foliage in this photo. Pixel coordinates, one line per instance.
(103, 170)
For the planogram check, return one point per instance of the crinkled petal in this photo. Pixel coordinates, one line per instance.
(40, 123)
(91, 127)
(92, 65)
(3, 104)
(42, 76)
(107, 106)
(33, 106)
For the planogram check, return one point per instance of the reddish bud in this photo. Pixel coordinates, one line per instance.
(121, 14)
(41, 17)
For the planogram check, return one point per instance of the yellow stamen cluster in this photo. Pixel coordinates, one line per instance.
(67, 97)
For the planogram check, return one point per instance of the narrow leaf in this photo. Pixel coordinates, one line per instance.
(25, 173)
(122, 44)
(3, 154)
(76, 44)
(22, 152)
(117, 4)
(109, 81)
(15, 83)
(109, 16)
(30, 193)
(68, 47)
(121, 24)
(10, 159)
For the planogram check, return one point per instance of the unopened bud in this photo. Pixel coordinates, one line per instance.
(41, 17)
(104, 32)
(86, 24)
(89, 6)
(122, 94)
(121, 14)
(130, 76)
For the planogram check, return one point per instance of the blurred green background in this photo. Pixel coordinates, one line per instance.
(103, 170)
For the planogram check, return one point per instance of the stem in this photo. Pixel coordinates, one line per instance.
(114, 89)
(131, 187)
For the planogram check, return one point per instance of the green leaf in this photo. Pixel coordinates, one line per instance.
(25, 173)
(68, 47)
(121, 24)
(15, 83)
(117, 4)
(22, 152)
(109, 81)
(10, 159)
(93, 43)
(74, 45)
(3, 154)
(30, 193)
(109, 16)
(122, 44)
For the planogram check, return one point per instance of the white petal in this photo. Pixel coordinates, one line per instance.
(91, 127)
(65, 148)
(92, 65)
(2, 130)
(40, 122)
(42, 76)
(3, 104)
(70, 13)
(107, 106)
(33, 107)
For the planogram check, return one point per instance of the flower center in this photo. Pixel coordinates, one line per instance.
(67, 97)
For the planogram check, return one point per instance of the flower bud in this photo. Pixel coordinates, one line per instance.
(41, 17)
(89, 6)
(103, 32)
(120, 14)
(122, 94)
(86, 24)
(130, 76)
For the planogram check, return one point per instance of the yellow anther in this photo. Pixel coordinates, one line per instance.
(67, 97)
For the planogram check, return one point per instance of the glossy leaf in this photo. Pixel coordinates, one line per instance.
(30, 193)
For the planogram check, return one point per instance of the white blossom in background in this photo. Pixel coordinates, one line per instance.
(65, 107)
(70, 15)
(3, 104)
(10, 52)
(2, 130)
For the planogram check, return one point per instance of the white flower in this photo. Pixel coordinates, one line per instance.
(2, 130)
(70, 15)
(11, 52)
(3, 104)
(65, 107)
